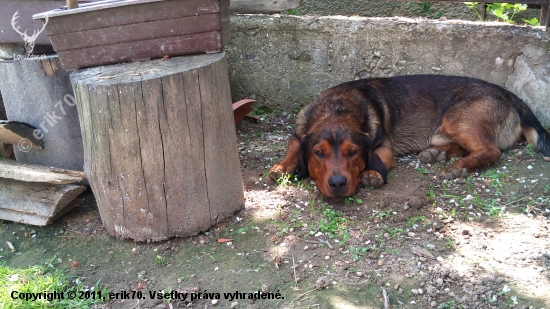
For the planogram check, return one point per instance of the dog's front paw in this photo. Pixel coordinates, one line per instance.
(432, 155)
(450, 173)
(372, 179)
(278, 170)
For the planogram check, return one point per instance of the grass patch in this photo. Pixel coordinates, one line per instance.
(41, 283)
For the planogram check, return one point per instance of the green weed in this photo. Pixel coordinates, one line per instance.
(425, 9)
(412, 222)
(357, 251)
(533, 21)
(503, 11)
(37, 279)
(334, 224)
(160, 260)
(353, 200)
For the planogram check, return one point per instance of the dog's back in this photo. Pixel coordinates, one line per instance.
(410, 109)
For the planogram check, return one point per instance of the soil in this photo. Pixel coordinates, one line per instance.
(417, 242)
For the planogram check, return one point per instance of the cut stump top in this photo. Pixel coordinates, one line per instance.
(125, 73)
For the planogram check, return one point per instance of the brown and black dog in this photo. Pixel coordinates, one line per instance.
(350, 133)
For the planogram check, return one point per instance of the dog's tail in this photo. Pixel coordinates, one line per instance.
(532, 129)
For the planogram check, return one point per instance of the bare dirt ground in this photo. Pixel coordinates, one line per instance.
(417, 242)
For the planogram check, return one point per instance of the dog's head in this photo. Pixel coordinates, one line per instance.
(335, 158)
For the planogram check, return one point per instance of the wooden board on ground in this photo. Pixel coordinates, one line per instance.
(160, 145)
(36, 195)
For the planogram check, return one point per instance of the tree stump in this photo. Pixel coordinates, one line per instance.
(160, 146)
(38, 91)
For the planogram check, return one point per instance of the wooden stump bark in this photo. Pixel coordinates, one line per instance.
(160, 145)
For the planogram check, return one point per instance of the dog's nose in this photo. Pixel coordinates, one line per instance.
(338, 183)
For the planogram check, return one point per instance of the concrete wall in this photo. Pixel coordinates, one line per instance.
(285, 61)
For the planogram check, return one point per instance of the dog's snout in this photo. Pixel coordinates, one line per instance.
(338, 183)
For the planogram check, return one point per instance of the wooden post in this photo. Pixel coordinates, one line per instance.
(160, 145)
(72, 4)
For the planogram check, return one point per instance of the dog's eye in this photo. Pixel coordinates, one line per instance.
(320, 153)
(352, 153)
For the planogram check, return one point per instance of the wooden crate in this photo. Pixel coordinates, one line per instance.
(110, 31)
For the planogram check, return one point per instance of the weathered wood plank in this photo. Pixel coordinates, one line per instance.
(34, 219)
(263, 6)
(11, 169)
(35, 194)
(156, 48)
(87, 17)
(545, 16)
(136, 32)
(42, 199)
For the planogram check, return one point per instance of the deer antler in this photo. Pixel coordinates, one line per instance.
(29, 40)
(35, 33)
(13, 21)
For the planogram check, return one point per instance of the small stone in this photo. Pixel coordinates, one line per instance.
(265, 288)
(306, 248)
(234, 305)
(440, 259)
(214, 302)
(415, 202)
(386, 235)
(468, 287)
(327, 257)
(411, 234)
(432, 291)
(359, 274)
(420, 291)
(439, 281)
(322, 282)
(380, 262)
(414, 291)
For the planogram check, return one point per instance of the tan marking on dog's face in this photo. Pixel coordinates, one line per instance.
(326, 161)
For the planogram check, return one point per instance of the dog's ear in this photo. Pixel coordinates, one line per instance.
(302, 171)
(372, 159)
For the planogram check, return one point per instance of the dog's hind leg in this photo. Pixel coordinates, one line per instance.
(289, 163)
(440, 153)
(475, 137)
